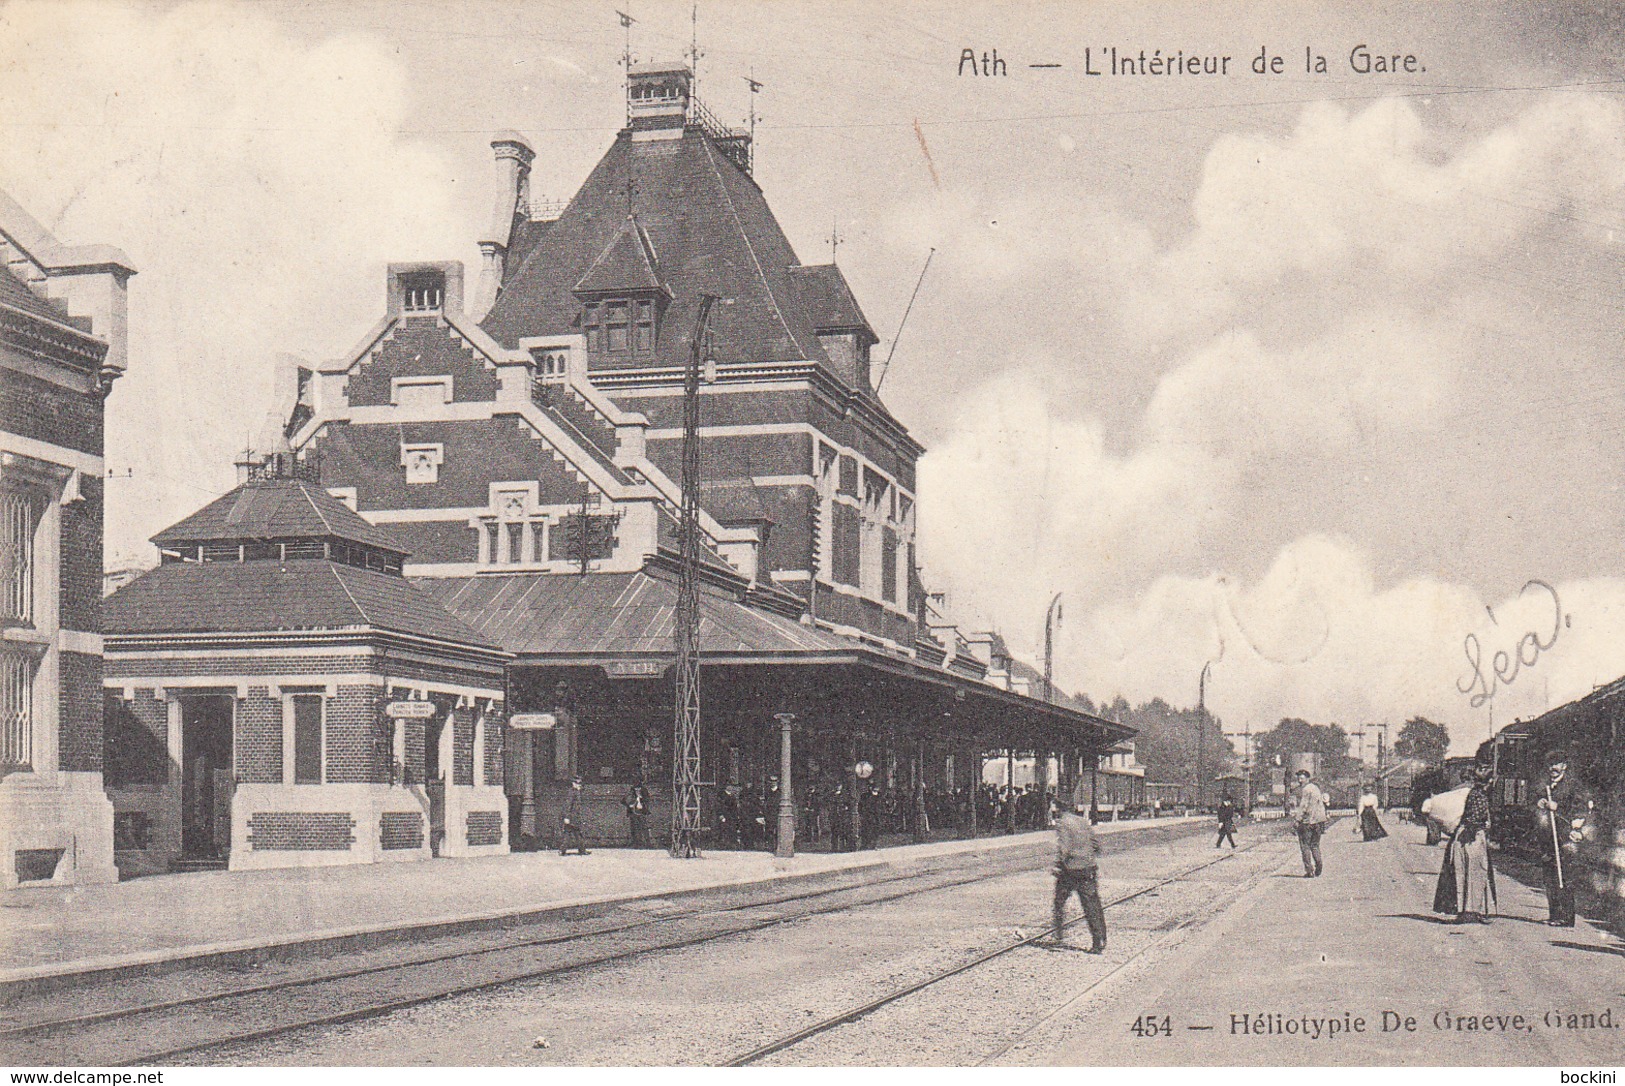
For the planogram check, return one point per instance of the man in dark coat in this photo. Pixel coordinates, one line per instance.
(1563, 812)
(869, 802)
(637, 814)
(1227, 821)
(1075, 870)
(570, 821)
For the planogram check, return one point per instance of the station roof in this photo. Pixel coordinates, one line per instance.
(611, 619)
(600, 616)
(313, 595)
(277, 508)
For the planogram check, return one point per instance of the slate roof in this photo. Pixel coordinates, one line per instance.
(617, 614)
(829, 301)
(279, 508)
(626, 264)
(713, 232)
(268, 597)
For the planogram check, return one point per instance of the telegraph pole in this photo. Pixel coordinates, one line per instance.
(685, 762)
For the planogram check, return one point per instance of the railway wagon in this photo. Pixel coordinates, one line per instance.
(1592, 731)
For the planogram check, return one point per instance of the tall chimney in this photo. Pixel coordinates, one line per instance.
(513, 158)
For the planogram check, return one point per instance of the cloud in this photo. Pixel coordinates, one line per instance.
(1372, 196)
(258, 181)
(1371, 351)
(1316, 637)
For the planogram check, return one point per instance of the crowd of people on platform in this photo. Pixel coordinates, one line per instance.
(747, 815)
(1563, 808)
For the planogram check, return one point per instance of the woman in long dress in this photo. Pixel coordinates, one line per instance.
(1467, 879)
(1370, 824)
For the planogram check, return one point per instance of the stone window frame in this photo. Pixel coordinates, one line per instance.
(444, 381)
(48, 485)
(422, 460)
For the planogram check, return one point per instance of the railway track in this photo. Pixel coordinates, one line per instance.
(857, 1013)
(162, 1030)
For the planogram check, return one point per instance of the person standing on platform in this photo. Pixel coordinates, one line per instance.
(869, 801)
(1077, 872)
(637, 814)
(1309, 818)
(1467, 878)
(1227, 822)
(1370, 826)
(570, 821)
(1563, 812)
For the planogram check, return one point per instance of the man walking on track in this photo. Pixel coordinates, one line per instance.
(1076, 873)
(1310, 818)
(1564, 810)
(1227, 821)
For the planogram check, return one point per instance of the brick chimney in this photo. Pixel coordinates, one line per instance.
(513, 158)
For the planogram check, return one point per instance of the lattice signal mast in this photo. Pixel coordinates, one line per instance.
(685, 762)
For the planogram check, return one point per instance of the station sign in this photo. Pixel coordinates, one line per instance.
(629, 669)
(534, 722)
(410, 710)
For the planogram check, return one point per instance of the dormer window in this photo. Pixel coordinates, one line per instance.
(620, 324)
(423, 292)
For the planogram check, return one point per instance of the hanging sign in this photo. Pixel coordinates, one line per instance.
(410, 710)
(534, 722)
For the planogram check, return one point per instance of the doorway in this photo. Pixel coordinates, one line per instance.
(207, 777)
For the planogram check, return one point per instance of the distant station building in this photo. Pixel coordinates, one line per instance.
(522, 446)
(62, 343)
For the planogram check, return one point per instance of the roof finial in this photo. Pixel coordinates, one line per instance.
(755, 89)
(626, 60)
(694, 53)
(835, 238)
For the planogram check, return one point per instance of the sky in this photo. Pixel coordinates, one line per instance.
(1312, 377)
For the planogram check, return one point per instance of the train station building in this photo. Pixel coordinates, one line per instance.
(516, 443)
(62, 344)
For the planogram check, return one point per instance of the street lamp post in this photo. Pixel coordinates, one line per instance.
(785, 847)
(1052, 619)
(1201, 728)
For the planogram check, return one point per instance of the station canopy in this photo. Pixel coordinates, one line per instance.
(758, 659)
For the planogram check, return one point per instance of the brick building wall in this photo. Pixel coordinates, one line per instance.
(135, 739)
(80, 599)
(229, 666)
(422, 347)
(495, 734)
(258, 737)
(79, 729)
(48, 412)
(462, 739)
(353, 728)
(476, 452)
(414, 733)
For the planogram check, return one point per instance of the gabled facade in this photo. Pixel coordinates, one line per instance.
(798, 445)
(483, 458)
(62, 342)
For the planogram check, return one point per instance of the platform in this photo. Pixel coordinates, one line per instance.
(1354, 968)
(50, 935)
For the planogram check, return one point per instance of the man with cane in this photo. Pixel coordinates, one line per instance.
(1563, 813)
